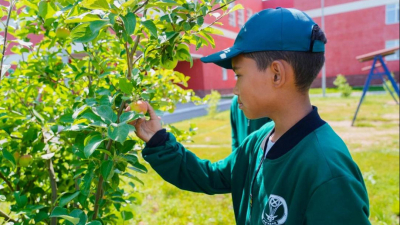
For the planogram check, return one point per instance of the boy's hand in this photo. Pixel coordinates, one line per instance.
(145, 129)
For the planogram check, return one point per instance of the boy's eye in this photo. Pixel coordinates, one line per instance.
(237, 75)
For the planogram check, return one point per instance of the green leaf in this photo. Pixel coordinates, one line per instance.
(208, 37)
(40, 216)
(118, 199)
(138, 168)
(9, 156)
(125, 85)
(85, 17)
(67, 198)
(127, 117)
(132, 159)
(66, 118)
(96, 26)
(76, 127)
(94, 223)
(38, 116)
(83, 33)
(79, 172)
(21, 200)
(106, 168)
(78, 111)
(98, 124)
(96, 4)
(129, 23)
(106, 113)
(128, 3)
(46, 10)
(91, 144)
(63, 213)
(118, 132)
(58, 211)
(77, 213)
(126, 215)
(186, 26)
(133, 177)
(236, 7)
(200, 21)
(91, 116)
(212, 30)
(204, 10)
(151, 27)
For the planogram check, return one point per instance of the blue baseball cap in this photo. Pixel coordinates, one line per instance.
(280, 29)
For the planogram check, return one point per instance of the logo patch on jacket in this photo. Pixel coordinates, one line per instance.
(275, 212)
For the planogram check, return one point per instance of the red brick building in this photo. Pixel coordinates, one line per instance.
(353, 27)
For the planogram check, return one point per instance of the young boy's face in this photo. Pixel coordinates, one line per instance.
(254, 88)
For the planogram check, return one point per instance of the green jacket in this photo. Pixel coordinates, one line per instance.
(307, 178)
(241, 126)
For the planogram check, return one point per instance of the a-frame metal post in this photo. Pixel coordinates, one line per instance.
(373, 75)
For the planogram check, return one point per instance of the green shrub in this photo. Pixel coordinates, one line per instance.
(212, 102)
(344, 87)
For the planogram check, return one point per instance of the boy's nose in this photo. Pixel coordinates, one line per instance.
(236, 90)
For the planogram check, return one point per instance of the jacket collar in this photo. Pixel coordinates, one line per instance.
(294, 135)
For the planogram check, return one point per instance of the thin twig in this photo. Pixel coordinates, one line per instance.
(222, 6)
(7, 181)
(7, 217)
(5, 36)
(215, 21)
(147, 1)
(213, 10)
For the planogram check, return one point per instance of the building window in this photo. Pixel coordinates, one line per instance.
(232, 16)
(240, 18)
(392, 13)
(224, 74)
(249, 13)
(391, 44)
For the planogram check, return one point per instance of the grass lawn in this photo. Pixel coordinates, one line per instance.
(373, 142)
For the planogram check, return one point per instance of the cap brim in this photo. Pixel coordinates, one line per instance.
(222, 58)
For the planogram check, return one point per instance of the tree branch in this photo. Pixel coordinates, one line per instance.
(5, 36)
(53, 184)
(128, 61)
(7, 217)
(99, 190)
(7, 181)
(222, 6)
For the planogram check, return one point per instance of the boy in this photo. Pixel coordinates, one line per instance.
(295, 171)
(241, 127)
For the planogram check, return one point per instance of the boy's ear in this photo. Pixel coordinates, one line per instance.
(279, 73)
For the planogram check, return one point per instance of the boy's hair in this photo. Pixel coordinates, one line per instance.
(306, 65)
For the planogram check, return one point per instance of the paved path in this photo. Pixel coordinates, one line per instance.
(190, 110)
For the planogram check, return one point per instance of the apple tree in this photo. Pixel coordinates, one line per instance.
(67, 152)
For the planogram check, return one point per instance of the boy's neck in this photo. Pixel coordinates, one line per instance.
(289, 115)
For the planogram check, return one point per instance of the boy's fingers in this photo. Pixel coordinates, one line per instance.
(139, 122)
(133, 122)
(151, 111)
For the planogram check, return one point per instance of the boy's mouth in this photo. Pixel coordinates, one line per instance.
(240, 104)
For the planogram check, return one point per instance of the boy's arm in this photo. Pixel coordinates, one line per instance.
(342, 200)
(185, 170)
(177, 165)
